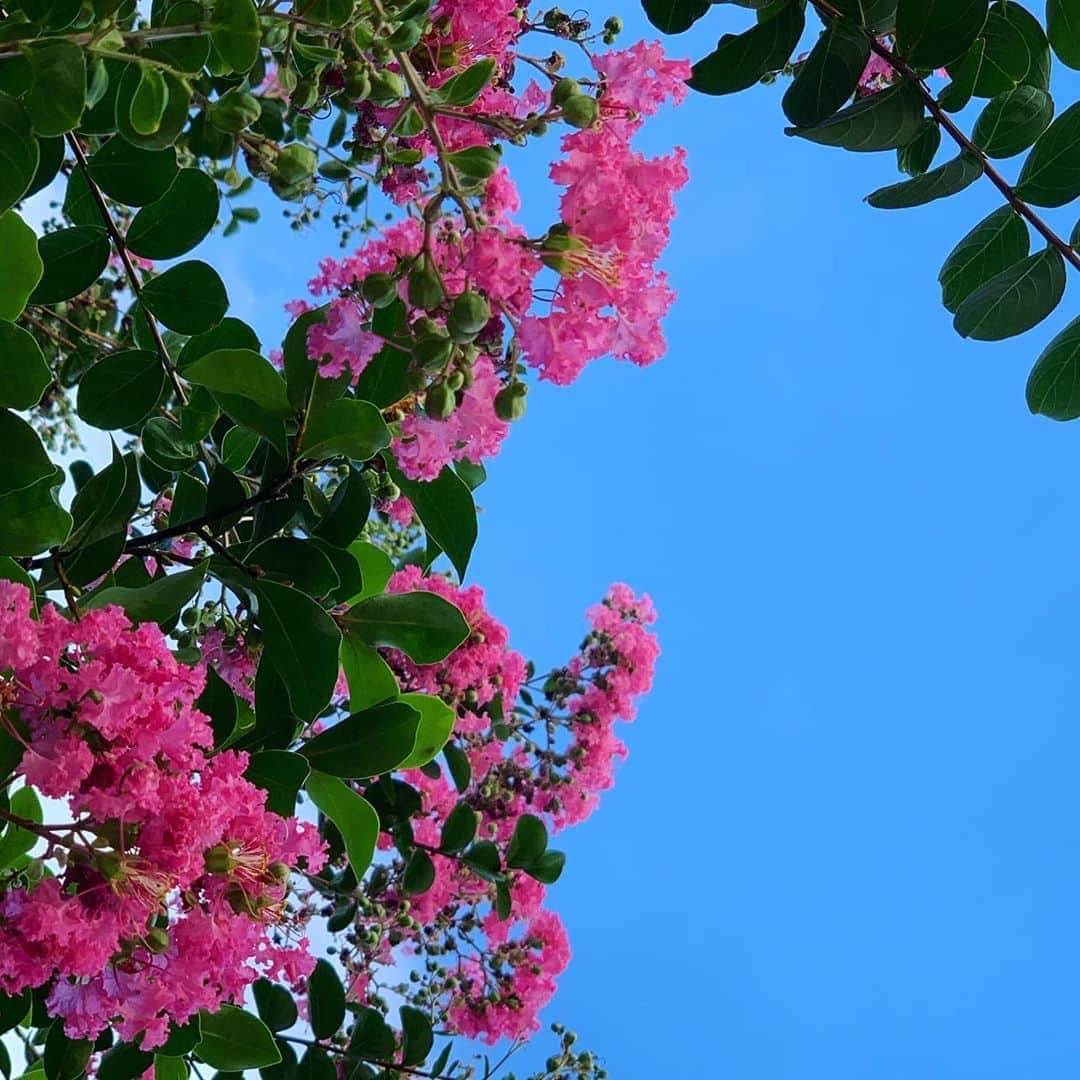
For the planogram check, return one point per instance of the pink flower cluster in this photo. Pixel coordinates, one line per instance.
(171, 870)
(615, 215)
(550, 761)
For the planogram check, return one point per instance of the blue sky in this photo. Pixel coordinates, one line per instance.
(846, 841)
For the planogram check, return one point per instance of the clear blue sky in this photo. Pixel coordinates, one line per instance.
(847, 841)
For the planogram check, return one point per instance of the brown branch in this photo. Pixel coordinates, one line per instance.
(826, 10)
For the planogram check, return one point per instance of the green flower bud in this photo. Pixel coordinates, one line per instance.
(387, 87)
(109, 865)
(190, 617)
(510, 402)
(439, 401)
(565, 89)
(295, 164)
(456, 380)
(614, 25)
(425, 287)
(380, 290)
(582, 111)
(218, 860)
(469, 315)
(306, 93)
(357, 81)
(234, 111)
(279, 871)
(432, 353)
(156, 940)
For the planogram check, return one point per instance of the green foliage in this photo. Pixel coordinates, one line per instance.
(351, 813)
(999, 52)
(233, 1040)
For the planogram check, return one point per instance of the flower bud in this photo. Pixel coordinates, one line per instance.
(110, 865)
(469, 315)
(425, 287)
(456, 380)
(439, 401)
(357, 81)
(582, 111)
(234, 111)
(510, 402)
(387, 87)
(433, 352)
(218, 860)
(279, 871)
(157, 940)
(564, 90)
(305, 95)
(295, 164)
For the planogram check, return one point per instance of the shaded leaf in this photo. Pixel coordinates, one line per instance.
(1014, 300)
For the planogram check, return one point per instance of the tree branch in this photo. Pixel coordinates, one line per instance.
(826, 10)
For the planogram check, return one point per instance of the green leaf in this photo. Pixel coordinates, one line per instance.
(1013, 121)
(18, 152)
(165, 444)
(1015, 51)
(159, 602)
(169, 1068)
(189, 298)
(73, 260)
(30, 518)
(233, 1040)
(316, 1065)
(528, 842)
(234, 30)
(230, 333)
(1051, 173)
(276, 1006)
(377, 568)
(915, 157)
(281, 774)
(829, 75)
(242, 373)
(881, 121)
(58, 91)
(964, 74)
(124, 1061)
(369, 676)
(121, 389)
(130, 174)
(457, 762)
(674, 16)
(237, 447)
(302, 642)
(740, 60)
(1063, 29)
(436, 724)
(1053, 388)
(931, 33)
(419, 874)
(459, 829)
(326, 1000)
(24, 375)
(548, 868)
(447, 511)
(368, 743)
(347, 427)
(65, 1059)
(21, 268)
(422, 625)
(353, 815)
(182, 1038)
(175, 223)
(996, 243)
(348, 513)
(16, 842)
(416, 1036)
(465, 87)
(13, 1009)
(939, 183)
(149, 100)
(1014, 300)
